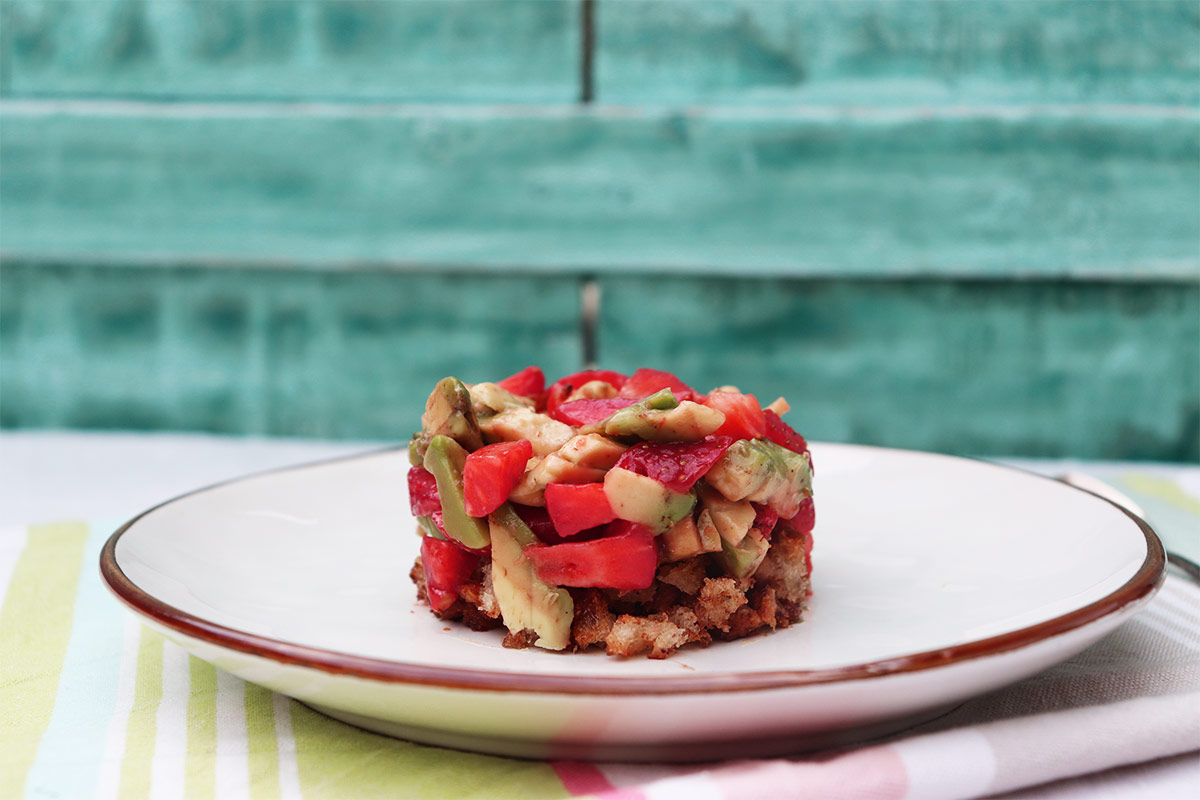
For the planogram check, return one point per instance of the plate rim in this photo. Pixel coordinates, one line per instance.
(1142, 585)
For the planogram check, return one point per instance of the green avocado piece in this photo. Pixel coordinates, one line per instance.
(637, 498)
(661, 418)
(526, 601)
(417, 447)
(445, 459)
(448, 412)
(426, 527)
(763, 472)
(741, 560)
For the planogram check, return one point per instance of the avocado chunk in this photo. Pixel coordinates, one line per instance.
(742, 560)
(488, 399)
(417, 447)
(545, 433)
(661, 418)
(583, 459)
(445, 459)
(763, 472)
(732, 518)
(684, 540)
(636, 498)
(426, 527)
(526, 601)
(448, 412)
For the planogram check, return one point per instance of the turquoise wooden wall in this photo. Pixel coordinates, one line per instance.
(970, 227)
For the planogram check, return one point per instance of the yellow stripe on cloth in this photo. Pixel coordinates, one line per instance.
(200, 772)
(143, 724)
(338, 761)
(35, 627)
(263, 749)
(1162, 489)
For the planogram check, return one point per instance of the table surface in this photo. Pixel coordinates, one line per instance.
(47, 476)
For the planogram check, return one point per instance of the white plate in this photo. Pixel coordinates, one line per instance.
(935, 579)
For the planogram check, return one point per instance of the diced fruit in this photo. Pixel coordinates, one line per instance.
(488, 399)
(636, 498)
(577, 507)
(675, 465)
(710, 537)
(782, 434)
(733, 518)
(447, 567)
(625, 559)
(684, 541)
(583, 459)
(646, 382)
(417, 446)
(592, 390)
(562, 388)
(538, 520)
(763, 472)
(586, 412)
(491, 472)
(445, 458)
(448, 412)
(529, 382)
(806, 518)
(422, 492)
(765, 518)
(526, 601)
(427, 526)
(743, 416)
(544, 433)
(658, 418)
(742, 560)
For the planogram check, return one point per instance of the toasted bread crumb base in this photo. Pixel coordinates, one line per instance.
(690, 602)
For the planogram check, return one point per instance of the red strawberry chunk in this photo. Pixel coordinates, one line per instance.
(806, 518)
(743, 415)
(625, 559)
(782, 434)
(561, 389)
(447, 567)
(585, 412)
(529, 382)
(422, 492)
(577, 507)
(765, 518)
(676, 465)
(646, 382)
(491, 472)
(538, 520)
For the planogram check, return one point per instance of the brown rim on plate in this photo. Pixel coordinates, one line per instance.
(1141, 586)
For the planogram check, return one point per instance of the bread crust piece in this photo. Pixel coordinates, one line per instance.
(690, 602)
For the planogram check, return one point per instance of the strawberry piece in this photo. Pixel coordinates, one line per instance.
(529, 382)
(744, 418)
(447, 567)
(491, 472)
(577, 507)
(676, 465)
(422, 492)
(782, 434)
(626, 558)
(585, 412)
(561, 389)
(765, 518)
(646, 382)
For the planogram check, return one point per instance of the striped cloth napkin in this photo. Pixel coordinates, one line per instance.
(92, 704)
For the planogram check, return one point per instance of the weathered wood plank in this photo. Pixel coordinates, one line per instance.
(888, 53)
(1041, 368)
(348, 355)
(770, 193)
(414, 50)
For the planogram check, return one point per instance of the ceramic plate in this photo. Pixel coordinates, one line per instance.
(935, 579)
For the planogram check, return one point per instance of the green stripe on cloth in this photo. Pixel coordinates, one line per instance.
(1163, 489)
(261, 742)
(35, 627)
(337, 761)
(143, 725)
(200, 776)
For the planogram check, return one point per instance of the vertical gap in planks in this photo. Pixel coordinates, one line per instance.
(589, 287)
(589, 315)
(587, 50)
